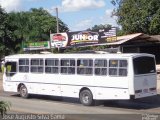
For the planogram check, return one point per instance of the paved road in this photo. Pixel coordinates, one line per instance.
(73, 110)
(122, 110)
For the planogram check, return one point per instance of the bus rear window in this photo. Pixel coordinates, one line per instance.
(144, 65)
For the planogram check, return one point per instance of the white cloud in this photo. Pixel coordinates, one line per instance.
(11, 5)
(109, 12)
(108, 18)
(90, 22)
(76, 5)
(82, 25)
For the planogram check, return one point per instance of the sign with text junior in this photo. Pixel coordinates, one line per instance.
(82, 38)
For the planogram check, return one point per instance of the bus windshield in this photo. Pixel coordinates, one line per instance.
(144, 65)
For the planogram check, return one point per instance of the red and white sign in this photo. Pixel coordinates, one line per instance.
(59, 40)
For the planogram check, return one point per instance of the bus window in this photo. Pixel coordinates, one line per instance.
(123, 67)
(85, 66)
(23, 65)
(52, 66)
(37, 65)
(144, 65)
(67, 66)
(118, 67)
(100, 67)
(113, 65)
(11, 68)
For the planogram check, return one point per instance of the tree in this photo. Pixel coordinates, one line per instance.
(138, 15)
(35, 25)
(42, 23)
(3, 16)
(18, 27)
(106, 26)
(30, 26)
(5, 34)
(101, 26)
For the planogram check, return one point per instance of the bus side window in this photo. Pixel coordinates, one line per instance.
(118, 67)
(23, 65)
(68, 66)
(100, 67)
(52, 66)
(123, 67)
(113, 67)
(85, 66)
(37, 65)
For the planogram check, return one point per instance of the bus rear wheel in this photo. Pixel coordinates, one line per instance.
(23, 91)
(86, 98)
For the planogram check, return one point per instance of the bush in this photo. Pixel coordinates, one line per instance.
(4, 107)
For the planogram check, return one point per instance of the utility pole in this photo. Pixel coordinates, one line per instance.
(57, 20)
(57, 24)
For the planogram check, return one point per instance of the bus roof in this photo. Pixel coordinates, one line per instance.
(109, 55)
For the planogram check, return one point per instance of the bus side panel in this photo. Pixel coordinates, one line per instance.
(111, 87)
(101, 87)
(44, 89)
(70, 91)
(44, 84)
(111, 94)
(72, 84)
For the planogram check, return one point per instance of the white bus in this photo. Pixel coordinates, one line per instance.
(88, 77)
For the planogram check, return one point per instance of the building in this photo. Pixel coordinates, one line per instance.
(138, 43)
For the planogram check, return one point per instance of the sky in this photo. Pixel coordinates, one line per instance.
(77, 14)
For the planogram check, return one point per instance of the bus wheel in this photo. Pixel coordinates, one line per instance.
(86, 98)
(23, 91)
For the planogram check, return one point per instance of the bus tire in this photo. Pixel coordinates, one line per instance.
(86, 98)
(23, 91)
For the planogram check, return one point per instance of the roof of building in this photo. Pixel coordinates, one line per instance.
(134, 37)
(156, 37)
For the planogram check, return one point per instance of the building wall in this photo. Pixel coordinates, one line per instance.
(151, 49)
(130, 49)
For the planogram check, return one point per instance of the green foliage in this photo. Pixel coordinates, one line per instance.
(5, 34)
(31, 26)
(138, 15)
(34, 25)
(4, 106)
(101, 26)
